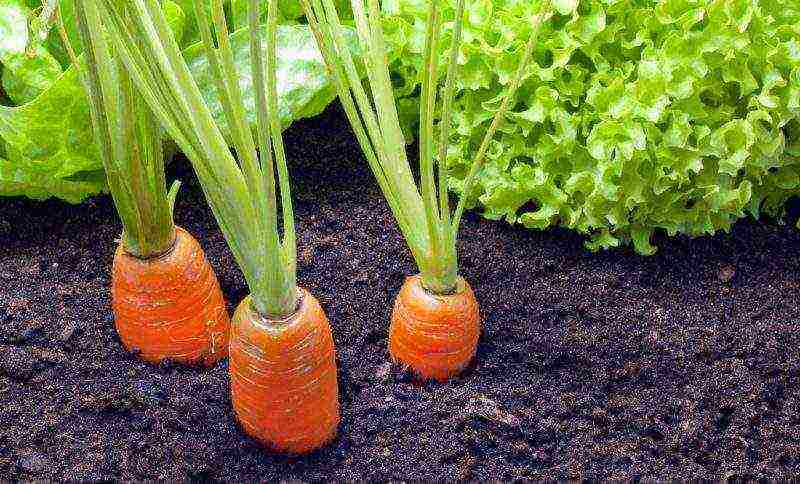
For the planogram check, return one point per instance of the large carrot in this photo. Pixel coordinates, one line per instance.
(283, 370)
(435, 325)
(166, 299)
(170, 306)
(283, 377)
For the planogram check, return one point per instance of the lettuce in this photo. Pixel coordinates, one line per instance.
(25, 74)
(678, 115)
(47, 145)
(34, 181)
(303, 87)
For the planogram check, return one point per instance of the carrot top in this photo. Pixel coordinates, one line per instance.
(130, 143)
(422, 213)
(243, 194)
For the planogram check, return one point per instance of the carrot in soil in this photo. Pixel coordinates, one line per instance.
(283, 370)
(436, 335)
(435, 323)
(166, 299)
(283, 377)
(170, 306)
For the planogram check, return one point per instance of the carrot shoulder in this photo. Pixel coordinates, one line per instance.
(283, 377)
(435, 336)
(170, 306)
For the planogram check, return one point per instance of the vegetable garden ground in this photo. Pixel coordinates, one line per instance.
(686, 363)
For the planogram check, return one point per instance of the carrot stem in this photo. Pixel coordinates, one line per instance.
(130, 141)
(243, 197)
(422, 212)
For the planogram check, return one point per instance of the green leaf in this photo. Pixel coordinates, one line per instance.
(25, 74)
(676, 115)
(565, 7)
(20, 178)
(641, 240)
(24, 77)
(603, 240)
(732, 143)
(176, 18)
(303, 86)
(611, 139)
(52, 134)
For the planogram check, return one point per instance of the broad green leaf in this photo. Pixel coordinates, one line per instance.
(52, 135)
(25, 77)
(25, 74)
(303, 86)
(19, 178)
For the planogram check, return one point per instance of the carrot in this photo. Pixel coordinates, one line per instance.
(283, 377)
(283, 367)
(166, 299)
(170, 306)
(434, 327)
(434, 335)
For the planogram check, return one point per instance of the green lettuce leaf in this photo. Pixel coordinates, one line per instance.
(303, 87)
(677, 116)
(54, 130)
(24, 78)
(50, 139)
(25, 74)
(29, 180)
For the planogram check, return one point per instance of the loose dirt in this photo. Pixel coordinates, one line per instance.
(609, 365)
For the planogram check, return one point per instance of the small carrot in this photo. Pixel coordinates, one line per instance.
(170, 306)
(435, 327)
(434, 335)
(167, 301)
(283, 377)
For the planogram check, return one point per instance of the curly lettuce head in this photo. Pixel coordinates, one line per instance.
(681, 115)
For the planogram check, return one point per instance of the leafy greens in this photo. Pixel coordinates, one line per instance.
(46, 144)
(636, 116)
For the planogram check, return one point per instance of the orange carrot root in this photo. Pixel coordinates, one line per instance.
(284, 378)
(435, 336)
(170, 306)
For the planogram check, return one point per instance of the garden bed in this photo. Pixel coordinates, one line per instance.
(682, 364)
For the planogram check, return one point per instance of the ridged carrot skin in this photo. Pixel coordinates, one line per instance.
(284, 378)
(170, 306)
(435, 336)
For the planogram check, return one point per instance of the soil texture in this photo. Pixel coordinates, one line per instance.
(609, 365)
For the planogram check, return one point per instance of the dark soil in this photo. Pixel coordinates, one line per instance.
(683, 364)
